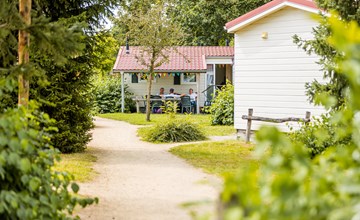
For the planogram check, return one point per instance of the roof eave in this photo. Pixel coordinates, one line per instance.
(241, 25)
(160, 71)
(118, 58)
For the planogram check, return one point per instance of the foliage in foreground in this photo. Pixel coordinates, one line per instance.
(108, 96)
(222, 108)
(319, 134)
(29, 188)
(290, 184)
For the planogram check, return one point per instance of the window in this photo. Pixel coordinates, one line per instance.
(140, 78)
(188, 78)
(134, 78)
(177, 80)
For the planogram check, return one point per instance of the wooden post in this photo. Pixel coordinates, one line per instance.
(248, 128)
(198, 79)
(307, 117)
(137, 105)
(122, 93)
(23, 52)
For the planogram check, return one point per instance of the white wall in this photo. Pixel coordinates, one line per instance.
(270, 74)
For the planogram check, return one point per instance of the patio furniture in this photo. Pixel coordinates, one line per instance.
(186, 104)
(170, 102)
(156, 103)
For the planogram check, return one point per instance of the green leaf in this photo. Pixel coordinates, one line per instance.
(75, 187)
(25, 165)
(34, 183)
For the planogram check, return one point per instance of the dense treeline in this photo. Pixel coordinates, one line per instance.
(202, 20)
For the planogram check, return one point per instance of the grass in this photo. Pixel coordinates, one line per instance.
(202, 120)
(222, 157)
(78, 164)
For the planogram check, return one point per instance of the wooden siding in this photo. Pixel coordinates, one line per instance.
(270, 74)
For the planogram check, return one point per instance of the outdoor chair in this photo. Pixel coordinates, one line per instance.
(142, 104)
(156, 104)
(186, 104)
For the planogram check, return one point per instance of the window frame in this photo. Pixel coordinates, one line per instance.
(186, 82)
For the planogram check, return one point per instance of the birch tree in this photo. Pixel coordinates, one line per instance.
(150, 28)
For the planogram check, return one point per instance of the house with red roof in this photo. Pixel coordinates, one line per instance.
(201, 68)
(270, 70)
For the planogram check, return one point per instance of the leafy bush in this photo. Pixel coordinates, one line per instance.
(291, 185)
(222, 108)
(318, 135)
(173, 130)
(29, 189)
(108, 96)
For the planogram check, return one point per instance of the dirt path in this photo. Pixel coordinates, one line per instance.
(139, 180)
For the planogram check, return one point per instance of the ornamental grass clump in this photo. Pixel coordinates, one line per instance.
(173, 129)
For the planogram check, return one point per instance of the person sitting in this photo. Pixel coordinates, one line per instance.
(193, 98)
(172, 94)
(161, 92)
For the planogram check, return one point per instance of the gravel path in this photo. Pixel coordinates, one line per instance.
(140, 180)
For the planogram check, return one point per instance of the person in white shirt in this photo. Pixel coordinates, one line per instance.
(193, 97)
(172, 94)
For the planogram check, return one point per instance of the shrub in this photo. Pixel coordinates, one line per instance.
(108, 96)
(29, 189)
(318, 135)
(173, 130)
(67, 98)
(222, 108)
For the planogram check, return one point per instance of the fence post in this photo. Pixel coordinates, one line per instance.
(307, 117)
(248, 128)
(137, 105)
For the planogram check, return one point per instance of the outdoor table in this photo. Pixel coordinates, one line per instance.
(138, 100)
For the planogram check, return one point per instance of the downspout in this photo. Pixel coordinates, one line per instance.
(122, 93)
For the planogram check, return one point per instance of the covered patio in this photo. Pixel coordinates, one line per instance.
(201, 68)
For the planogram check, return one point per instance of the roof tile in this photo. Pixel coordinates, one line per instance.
(187, 58)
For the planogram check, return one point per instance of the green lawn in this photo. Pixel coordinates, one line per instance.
(78, 164)
(202, 120)
(217, 157)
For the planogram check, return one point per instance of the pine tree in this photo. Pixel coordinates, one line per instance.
(68, 95)
(336, 86)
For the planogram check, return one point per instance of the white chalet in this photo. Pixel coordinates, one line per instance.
(270, 71)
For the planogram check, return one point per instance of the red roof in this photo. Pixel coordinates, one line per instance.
(268, 8)
(186, 58)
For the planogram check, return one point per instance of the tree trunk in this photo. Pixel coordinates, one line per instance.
(23, 52)
(148, 110)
